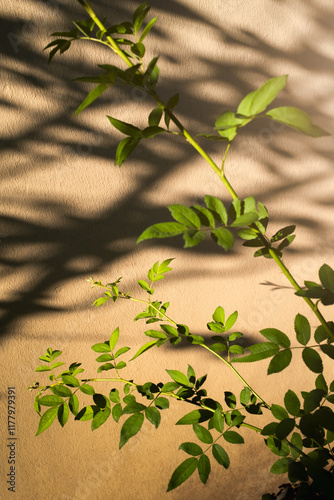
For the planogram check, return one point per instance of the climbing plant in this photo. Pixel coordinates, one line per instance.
(302, 428)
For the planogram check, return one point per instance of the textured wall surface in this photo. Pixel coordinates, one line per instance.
(67, 213)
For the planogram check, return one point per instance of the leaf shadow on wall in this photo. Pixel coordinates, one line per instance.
(42, 138)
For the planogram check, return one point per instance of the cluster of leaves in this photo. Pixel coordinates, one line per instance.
(324, 292)
(249, 218)
(279, 347)
(296, 428)
(253, 106)
(299, 428)
(89, 30)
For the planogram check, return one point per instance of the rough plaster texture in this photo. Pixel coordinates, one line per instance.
(67, 213)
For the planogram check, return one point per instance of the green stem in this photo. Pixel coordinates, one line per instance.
(236, 373)
(156, 309)
(294, 283)
(111, 41)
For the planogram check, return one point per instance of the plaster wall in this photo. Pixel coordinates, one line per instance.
(67, 213)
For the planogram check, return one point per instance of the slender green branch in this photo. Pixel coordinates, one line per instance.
(236, 373)
(113, 45)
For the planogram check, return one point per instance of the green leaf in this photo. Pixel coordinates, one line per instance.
(203, 434)
(162, 230)
(185, 216)
(170, 387)
(220, 455)
(223, 237)
(204, 468)
(120, 351)
(139, 16)
(101, 347)
(100, 418)
(191, 448)
(87, 389)
(205, 215)
(269, 429)
(276, 336)
(114, 396)
(248, 234)
(326, 275)
(70, 380)
(277, 446)
(321, 384)
(192, 238)
(43, 368)
(218, 420)
(282, 233)
(279, 412)
(153, 415)
(152, 131)
(117, 412)
(178, 377)
(280, 466)
(138, 49)
(161, 403)
(219, 315)
(63, 414)
(218, 207)
(312, 360)
(233, 437)
(124, 149)
(257, 101)
(50, 400)
(245, 395)
(195, 417)
(280, 361)
(105, 367)
(155, 117)
(297, 472)
(130, 428)
(302, 329)
(312, 399)
(73, 403)
(191, 375)
(133, 407)
(60, 390)
(230, 399)
(182, 473)
(155, 334)
(285, 427)
(104, 357)
(46, 419)
(328, 349)
(245, 219)
(259, 351)
(147, 28)
(56, 365)
(173, 101)
(296, 119)
(94, 94)
(125, 128)
(87, 413)
(113, 339)
(144, 348)
(292, 403)
(297, 441)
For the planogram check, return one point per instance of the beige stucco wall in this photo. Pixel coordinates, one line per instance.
(67, 213)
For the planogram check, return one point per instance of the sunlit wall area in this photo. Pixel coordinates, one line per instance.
(68, 214)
